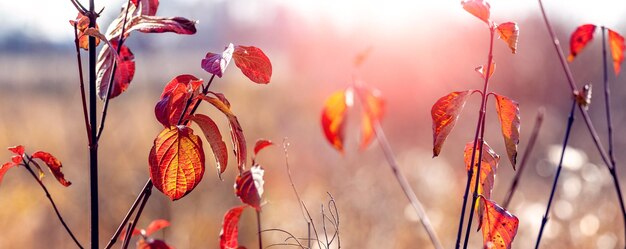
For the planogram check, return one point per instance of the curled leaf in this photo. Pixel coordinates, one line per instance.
(217, 63)
(445, 113)
(175, 95)
(54, 165)
(508, 114)
(249, 186)
(230, 228)
(483, 71)
(214, 138)
(176, 161)
(616, 41)
(478, 8)
(156, 24)
(261, 144)
(156, 225)
(334, 115)
(488, 167)
(499, 226)
(82, 23)
(253, 63)
(17, 150)
(124, 72)
(509, 33)
(373, 113)
(147, 7)
(580, 38)
(5, 167)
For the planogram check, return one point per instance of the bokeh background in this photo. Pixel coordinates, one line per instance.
(419, 51)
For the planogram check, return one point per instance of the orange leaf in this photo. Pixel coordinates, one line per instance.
(261, 144)
(478, 8)
(249, 186)
(152, 244)
(509, 33)
(230, 229)
(217, 63)
(373, 112)
(174, 98)
(124, 72)
(617, 49)
(214, 137)
(53, 164)
(483, 71)
(499, 226)
(334, 115)
(176, 161)
(5, 167)
(508, 113)
(444, 113)
(488, 168)
(156, 225)
(82, 24)
(580, 38)
(253, 63)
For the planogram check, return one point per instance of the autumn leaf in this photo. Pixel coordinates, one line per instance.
(580, 38)
(261, 144)
(147, 7)
(214, 138)
(249, 186)
(478, 8)
(176, 161)
(156, 24)
(616, 41)
(150, 243)
(372, 113)
(499, 226)
(334, 115)
(124, 72)
(509, 33)
(156, 225)
(236, 132)
(445, 113)
(253, 63)
(82, 23)
(53, 164)
(230, 229)
(508, 114)
(483, 71)
(5, 167)
(217, 63)
(174, 98)
(488, 167)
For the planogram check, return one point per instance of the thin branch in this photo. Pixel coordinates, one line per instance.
(129, 233)
(258, 227)
(295, 191)
(527, 153)
(93, 122)
(139, 198)
(79, 7)
(570, 122)
(82, 82)
(54, 206)
(607, 97)
(146, 196)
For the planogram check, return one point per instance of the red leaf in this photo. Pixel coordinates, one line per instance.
(444, 113)
(124, 72)
(123, 233)
(499, 226)
(617, 49)
(82, 24)
(216, 63)
(230, 230)
(147, 7)
(176, 161)
(17, 150)
(261, 144)
(236, 132)
(174, 98)
(508, 114)
(483, 71)
(152, 244)
(156, 24)
(253, 63)
(249, 186)
(478, 8)
(509, 33)
(214, 138)
(334, 115)
(156, 225)
(580, 38)
(373, 113)
(488, 168)
(53, 164)
(4, 168)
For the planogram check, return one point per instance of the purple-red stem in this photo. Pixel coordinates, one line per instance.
(93, 122)
(82, 83)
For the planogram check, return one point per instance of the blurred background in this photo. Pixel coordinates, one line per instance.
(419, 51)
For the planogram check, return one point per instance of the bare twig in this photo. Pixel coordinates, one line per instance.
(54, 206)
(129, 233)
(82, 83)
(607, 97)
(146, 196)
(527, 153)
(258, 227)
(79, 7)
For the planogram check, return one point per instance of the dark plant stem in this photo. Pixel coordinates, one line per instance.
(82, 83)
(527, 153)
(570, 122)
(478, 137)
(607, 97)
(120, 41)
(400, 178)
(129, 233)
(133, 223)
(54, 206)
(93, 122)
(594, 134)
(147, 189)
(258, 227)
